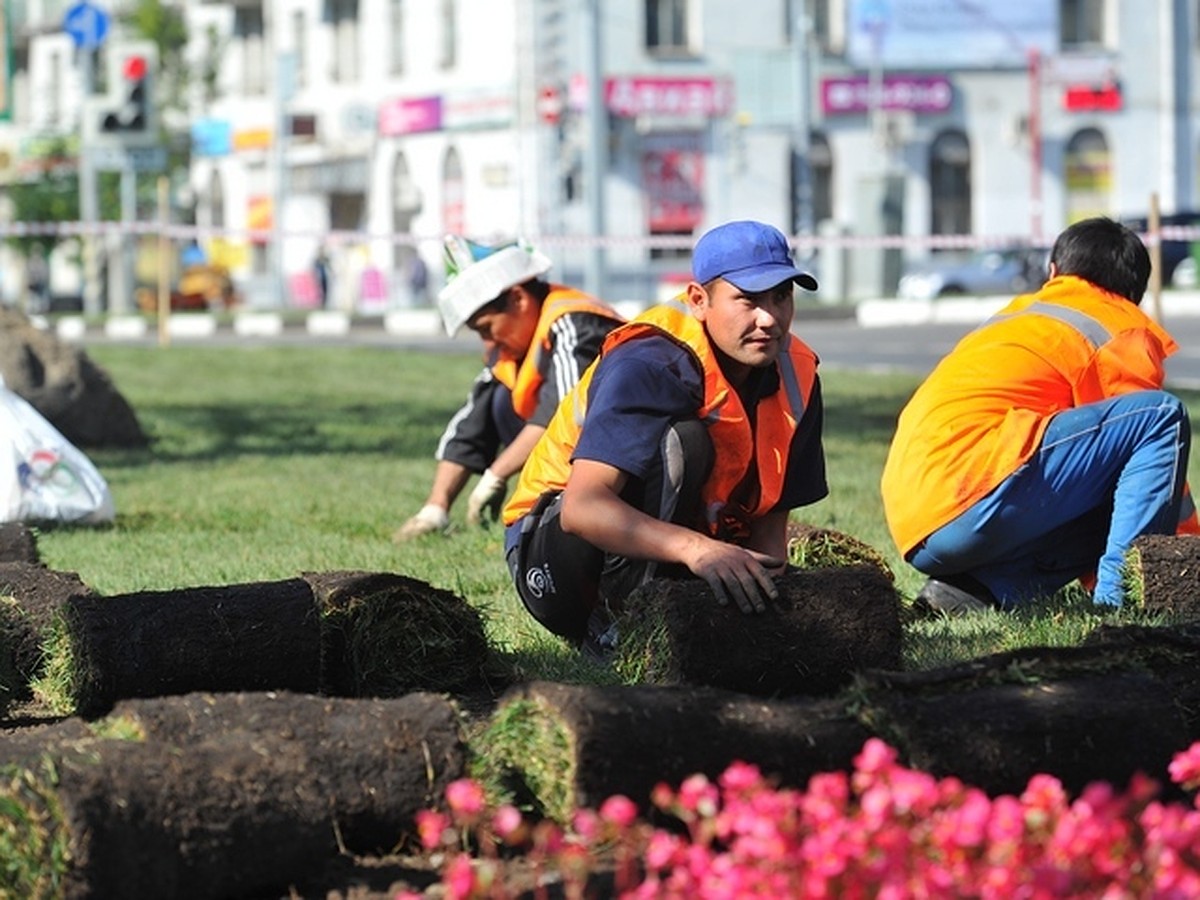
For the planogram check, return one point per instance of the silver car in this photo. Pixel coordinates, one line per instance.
(1010, 270)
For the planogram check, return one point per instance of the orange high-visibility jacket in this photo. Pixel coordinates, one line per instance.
(982, 412)
(739, 447)
(525, 377)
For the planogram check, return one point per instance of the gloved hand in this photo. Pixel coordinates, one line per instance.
(430, 519)
(487, 499)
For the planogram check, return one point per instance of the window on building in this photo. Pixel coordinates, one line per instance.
(406, 204)
(453, 204)
(1088, 175)
(248, 30)
(300, 48)
(343, 17)
(823, 18)
(396, 37)
(668, 27)
(950, 184)
(820, 164)
(449, 48)
(216, 200)
(1081, 23)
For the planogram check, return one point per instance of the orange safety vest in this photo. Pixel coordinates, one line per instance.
(743, 452)
(524, 376)
(982, 412)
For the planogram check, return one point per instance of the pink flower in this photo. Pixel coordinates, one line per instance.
(508, 824)
(619, 810)
(460, 877)
(465, 797)
(431, 827)
(1185, 767)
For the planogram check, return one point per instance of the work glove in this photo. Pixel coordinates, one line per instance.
(429, 520)
(487, 499)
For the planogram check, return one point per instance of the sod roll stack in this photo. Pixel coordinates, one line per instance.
(210, 796)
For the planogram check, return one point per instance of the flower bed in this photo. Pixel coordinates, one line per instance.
(882, 830)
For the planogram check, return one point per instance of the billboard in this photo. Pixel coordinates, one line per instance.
(950, 34)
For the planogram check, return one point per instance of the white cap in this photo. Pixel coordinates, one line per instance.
(477, 274)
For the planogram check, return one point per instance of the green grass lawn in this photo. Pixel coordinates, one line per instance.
(269, 462)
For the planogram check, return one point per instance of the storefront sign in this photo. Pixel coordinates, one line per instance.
(410, 116)
(909, 93)
(682, 97)
(477, 109)
(212, 137)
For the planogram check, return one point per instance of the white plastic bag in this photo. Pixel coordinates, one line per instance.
(43, 476)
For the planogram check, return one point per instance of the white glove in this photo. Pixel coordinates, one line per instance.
(487, 499)
(430, 519)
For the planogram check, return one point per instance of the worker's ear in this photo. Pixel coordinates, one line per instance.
(1053, 270)
(697, 300)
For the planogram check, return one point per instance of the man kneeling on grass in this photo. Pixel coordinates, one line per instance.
(1043, 445)
(682, 449)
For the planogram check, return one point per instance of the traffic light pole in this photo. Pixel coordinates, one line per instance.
(89, 205)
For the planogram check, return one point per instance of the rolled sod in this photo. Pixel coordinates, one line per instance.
(827, 624)
(341, 633)
(31, 595)
(384, 634)
(243, 637)
(223, 796)
(563, 747)
(1125, 702)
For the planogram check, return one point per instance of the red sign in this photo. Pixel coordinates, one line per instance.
(550, 105)
(1085, 98)
(684, 97)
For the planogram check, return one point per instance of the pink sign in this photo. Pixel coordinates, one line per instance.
(410, 116)
(915, 93)
(685, 97)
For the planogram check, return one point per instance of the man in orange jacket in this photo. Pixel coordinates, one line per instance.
(538, 338)
(682, 449)
(1043, 445)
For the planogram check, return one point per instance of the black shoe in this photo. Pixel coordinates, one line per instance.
(600, 642)
(951, 600)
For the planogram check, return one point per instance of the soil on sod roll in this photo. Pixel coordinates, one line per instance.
(241, 637)
(826, 624)
(256, 793)
(18, 543)
(1165, 573)
(561, 747)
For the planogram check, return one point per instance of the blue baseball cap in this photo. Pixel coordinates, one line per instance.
(752, 256)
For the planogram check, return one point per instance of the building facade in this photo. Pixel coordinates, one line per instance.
(877, 131)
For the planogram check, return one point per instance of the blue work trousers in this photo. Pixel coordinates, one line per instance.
(1105, 474)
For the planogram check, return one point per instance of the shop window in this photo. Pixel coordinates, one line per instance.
(950, 184)
(673, 185)
(406, 203)
(1088, 175)
(668, 27)
(1081, 23)
(820, 175)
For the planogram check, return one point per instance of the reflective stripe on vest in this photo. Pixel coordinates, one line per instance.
(1092, 330)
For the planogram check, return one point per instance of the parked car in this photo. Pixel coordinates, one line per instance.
(1179, 264)
(1008, 270)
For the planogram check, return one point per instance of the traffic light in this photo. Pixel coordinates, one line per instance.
(129, 114)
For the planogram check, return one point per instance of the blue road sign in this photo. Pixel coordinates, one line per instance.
(86, 24)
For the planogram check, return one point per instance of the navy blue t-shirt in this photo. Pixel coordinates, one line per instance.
(643, 385)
